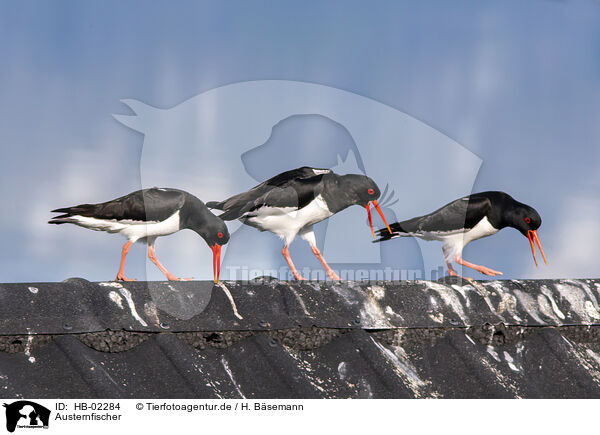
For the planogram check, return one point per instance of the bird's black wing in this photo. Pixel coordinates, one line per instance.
(295, 188)
(463, 213)
(143, 205)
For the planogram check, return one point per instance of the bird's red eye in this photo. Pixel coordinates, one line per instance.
(371, 191)
(220, 235)
(527, 220)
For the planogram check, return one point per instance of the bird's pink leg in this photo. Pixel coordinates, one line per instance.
(332, 275)
(286, 254)
(121, 273)
(481, 269)
(451, 270)
(163, 269)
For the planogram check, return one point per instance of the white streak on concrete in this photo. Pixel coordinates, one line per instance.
(151, 312)
(505, 382)
(486, 297)
(231, 301)
(496, 285)
(390, 312)
(511, 362)
(309, 373)
(30, 358)
(342, 370)
(111, 284)
(508, 302)
(33, 290)
(225, 365)
(404, 368)
(433, 302)
(594, 356)
(529, 304)
(584, 360)
(546, 291)
(439, 317)
(116, 298)
(576, 297)
(347, 292)
(469, 338)
(298, 298)
(586, 288)
(377, 291)
(449, 297)
(493, 353)
(371, 314)
(546, 309)
(591, 310)
(463, 291)
(127, 295)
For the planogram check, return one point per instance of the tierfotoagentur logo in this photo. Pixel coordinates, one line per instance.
(25, 414)
(229, 139)
(226, 140)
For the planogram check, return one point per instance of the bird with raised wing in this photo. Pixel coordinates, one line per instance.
(147, 214)
(290, 203)
(470, 218)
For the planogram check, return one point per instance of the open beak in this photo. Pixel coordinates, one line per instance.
(532, 235)
(376, 205)
(216, 248)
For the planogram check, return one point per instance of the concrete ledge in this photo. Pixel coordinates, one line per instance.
(492, 339)
(80, 306)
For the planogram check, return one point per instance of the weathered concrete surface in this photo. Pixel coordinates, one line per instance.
(77, 305)
(494, 339)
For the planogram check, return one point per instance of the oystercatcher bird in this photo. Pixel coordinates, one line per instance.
(290, 203)
(147, 214)
(470, 218)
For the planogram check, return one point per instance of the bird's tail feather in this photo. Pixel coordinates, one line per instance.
(228, 214)
(77, 209)
(62, 210)
(215, 204)
(64, 219)
(69, 212)
(398, 230)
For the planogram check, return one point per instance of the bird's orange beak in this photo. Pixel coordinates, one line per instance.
(532, 235)
(216, 248)
(376, 205)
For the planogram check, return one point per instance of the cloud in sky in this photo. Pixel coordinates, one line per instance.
(573, 250)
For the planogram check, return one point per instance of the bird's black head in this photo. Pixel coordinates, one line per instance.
(524, 218)
(355, 189)
(198, 218)
(361, 190)
(214, 232)
(527, 220)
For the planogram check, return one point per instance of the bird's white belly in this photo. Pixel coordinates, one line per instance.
(286, 222)
(456, 241)
(133, 230)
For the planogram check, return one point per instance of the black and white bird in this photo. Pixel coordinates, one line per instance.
(470, 218)
(147, 214)
(290, 203)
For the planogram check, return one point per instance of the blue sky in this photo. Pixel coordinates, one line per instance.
(515, 83)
